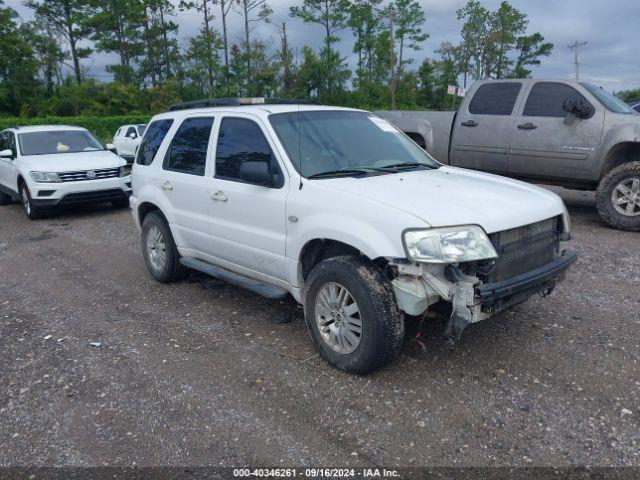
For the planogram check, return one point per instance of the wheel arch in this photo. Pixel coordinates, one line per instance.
(619, 154)
(145, 208)
(318, 249)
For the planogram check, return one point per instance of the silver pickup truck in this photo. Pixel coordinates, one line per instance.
(547, 131)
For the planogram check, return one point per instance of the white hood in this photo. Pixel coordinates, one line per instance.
(72, 162)
(453, 196)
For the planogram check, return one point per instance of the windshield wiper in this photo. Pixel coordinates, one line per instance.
(402, 165)
(342, 172)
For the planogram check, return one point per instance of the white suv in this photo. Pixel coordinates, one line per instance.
(345, 213)
(127, 139)
(53, 165)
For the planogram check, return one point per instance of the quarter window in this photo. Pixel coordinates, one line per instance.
(546, 99)
(495, 98)
(152, 140)
(188, 150)
(241, 140)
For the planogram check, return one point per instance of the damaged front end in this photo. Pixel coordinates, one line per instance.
(526, 260)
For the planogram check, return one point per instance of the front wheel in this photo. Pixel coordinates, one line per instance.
(352, 315)
(27, 204)
(618, 197)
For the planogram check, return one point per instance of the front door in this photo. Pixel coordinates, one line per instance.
(483, 129)
(543, 144)
(247, 221)
(182, 181)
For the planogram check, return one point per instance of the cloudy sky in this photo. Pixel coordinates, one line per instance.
(612, 28)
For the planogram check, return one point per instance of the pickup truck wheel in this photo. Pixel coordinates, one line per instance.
(25, 198)
(159, 249)
(618, 197)
(352, 315)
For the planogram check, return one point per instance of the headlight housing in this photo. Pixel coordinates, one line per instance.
(124, 171)
(465, 243)
(45, 177)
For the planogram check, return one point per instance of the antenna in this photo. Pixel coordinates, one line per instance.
(575, 46)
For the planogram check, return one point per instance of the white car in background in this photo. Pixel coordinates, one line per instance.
(127, 139)
(47, 166)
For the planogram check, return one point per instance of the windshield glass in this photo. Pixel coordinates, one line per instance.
(328, 140)
(141, 128)
(610, 101)
(57, 141)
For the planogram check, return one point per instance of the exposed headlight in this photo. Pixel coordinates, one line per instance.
(45, 177)
(449, 245)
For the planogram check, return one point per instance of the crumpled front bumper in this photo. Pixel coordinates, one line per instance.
(499, 295)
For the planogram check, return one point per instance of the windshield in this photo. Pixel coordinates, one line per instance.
(330, 140)
(141, 128)
(57, 141)
(610, 101)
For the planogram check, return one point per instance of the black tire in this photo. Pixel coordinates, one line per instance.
(32, 212)
(171, 269)
(604, 197)
(122, 203)
(382, 321)
(5, 199)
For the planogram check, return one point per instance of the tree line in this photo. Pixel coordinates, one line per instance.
(155, 68)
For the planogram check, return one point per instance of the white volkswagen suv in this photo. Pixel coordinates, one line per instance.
(345, 213)
(48, 166)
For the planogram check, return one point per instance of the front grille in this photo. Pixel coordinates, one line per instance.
(521, 250)
(84, 175)
(93, 197)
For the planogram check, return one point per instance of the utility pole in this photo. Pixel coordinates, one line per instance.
(575, 46)
(392, 59)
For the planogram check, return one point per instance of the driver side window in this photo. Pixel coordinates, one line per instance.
(546, 99)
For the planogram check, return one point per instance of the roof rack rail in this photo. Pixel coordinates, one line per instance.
(238, 102)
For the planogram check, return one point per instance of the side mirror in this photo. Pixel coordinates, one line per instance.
(6, 154)
(256, 172)
(132, 135)
(577, 107)
(111, 147)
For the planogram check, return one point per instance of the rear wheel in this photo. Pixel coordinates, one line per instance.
(352, 315)
(618, 197)
(159, 249)
(32, 211)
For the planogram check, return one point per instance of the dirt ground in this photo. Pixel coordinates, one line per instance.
(195, 373)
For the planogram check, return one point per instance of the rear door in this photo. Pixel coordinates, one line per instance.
(544, 145)
(182, 182)
(247, 221)
(483, 128)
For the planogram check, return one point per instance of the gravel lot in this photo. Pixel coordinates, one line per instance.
(194, 373)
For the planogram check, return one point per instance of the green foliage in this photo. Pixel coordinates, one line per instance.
(629, 95)
(102, 127)
(153, 69)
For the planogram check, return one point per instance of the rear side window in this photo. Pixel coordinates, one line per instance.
(152, 140)
(131, 130)
(495, 98)
(546, 99)
(188, 150)
(240, 140)
(8, 142)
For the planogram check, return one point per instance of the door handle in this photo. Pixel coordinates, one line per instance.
(527, 126)
(219, 197)
(469, 123)
(166, 186)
